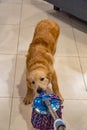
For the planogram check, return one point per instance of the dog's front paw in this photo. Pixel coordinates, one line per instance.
(27, 100)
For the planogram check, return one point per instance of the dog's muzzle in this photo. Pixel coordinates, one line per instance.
(39, 90)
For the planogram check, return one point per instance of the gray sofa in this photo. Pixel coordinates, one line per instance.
(77, 8)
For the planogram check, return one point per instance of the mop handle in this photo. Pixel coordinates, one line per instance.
(53, 113)
(58, 123)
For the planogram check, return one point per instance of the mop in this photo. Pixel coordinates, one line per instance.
(47, 112)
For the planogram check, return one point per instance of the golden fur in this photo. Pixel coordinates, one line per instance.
(39, 63)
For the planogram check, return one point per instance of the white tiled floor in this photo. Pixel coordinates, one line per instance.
(9, 39)
(17, 22)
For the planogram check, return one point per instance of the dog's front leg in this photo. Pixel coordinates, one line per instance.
(29, 96)
(55, 86)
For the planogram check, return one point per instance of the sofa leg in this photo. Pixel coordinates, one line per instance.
(57, 8)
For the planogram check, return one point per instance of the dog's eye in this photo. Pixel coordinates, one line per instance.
(33, 82)
(41, 79)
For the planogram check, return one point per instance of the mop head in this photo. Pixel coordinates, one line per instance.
(41, 118)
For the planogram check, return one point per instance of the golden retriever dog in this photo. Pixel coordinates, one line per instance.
(39, 63)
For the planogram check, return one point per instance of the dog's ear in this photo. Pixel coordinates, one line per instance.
(28, 84)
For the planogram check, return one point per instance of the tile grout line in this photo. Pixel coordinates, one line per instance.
(10, 114)
(10, 54)
(61, 56)
(15, 66)
(79, 60)
(82, 74)
(19, 25)
(12, 92)
(18, 43)
(8, 24)
(11, 3)
(20, 3)
(75, 99)
(17, 46)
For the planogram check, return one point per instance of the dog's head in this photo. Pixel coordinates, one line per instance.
(38, 78)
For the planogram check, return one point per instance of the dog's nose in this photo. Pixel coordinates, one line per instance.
(39, 90)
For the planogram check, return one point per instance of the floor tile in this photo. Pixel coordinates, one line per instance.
(67, 66)
(5, 108)
(21, 116)
(11, 1)
(34, 16)
(26, 35)
(42, 5)
(75, 115)
(66, 43)
(70, 78)
(11, 13)
(47, 11)
(20, 78)
(7, 70)
(8, 39)
(81, 41)
(84, 69)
